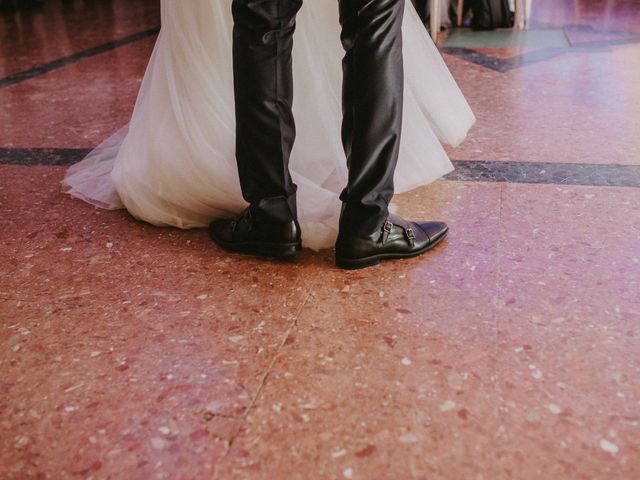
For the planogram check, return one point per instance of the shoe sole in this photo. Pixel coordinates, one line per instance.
(356, 263)
(263, 249)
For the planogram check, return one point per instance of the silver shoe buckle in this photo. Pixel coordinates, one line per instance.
(387, 226)
(410, 237)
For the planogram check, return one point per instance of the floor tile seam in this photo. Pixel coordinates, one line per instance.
(44, 156)
(59, 63)
(504, 65)
(480, 170)
(291, 327)
(550, 173)
(243, 418)
(496, 324)
(565, 33)
(531, 184)
(580, 47)
(529, 58)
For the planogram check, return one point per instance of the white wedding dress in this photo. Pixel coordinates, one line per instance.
(174, 163)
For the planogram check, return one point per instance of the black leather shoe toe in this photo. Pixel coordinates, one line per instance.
(435, 230)
(396, 239)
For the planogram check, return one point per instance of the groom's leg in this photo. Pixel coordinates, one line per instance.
(372, 109)
(262, 43)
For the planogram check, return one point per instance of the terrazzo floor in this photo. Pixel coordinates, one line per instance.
(511, 351)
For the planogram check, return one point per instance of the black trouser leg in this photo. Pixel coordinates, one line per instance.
(262, 43)
(372, 109)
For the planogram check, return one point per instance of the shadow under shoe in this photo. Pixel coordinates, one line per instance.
(244, 234)
(398, 238)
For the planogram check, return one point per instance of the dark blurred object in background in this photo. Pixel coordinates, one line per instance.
(491, 14)
(477, 14)
(13, 5)
(448, 14)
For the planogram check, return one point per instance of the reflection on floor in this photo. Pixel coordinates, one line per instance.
(510, 351)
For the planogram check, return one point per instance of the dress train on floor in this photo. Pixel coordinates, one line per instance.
(174, 163)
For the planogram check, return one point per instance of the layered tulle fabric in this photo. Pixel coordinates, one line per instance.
(174, 163)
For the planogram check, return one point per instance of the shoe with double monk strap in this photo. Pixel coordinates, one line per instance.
(246, 235)
(398, 238)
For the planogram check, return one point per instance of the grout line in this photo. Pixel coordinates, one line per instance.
(498, 309)
(74, 58)
(42, 156)
(242, 419)
(500, 235)
(471, 54)
(493, 171)
(567, 38)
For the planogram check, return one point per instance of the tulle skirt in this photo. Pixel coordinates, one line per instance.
(174, 163)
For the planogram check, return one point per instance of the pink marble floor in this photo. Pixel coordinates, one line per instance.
(33, 37)
(93, 99)
(508, 352)
(579, 107)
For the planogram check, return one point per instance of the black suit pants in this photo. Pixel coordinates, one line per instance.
(372, 106)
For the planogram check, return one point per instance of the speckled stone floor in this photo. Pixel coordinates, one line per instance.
(511, 351)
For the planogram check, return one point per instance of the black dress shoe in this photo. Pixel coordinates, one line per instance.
(397, 238)
(246, 235)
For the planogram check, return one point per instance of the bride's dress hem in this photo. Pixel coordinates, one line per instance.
(174, 163)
